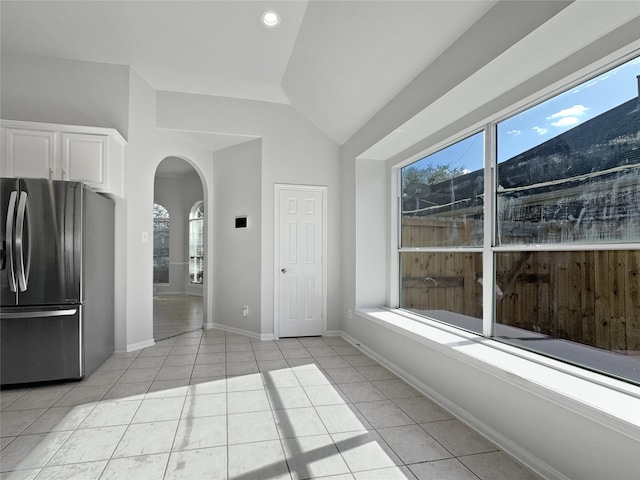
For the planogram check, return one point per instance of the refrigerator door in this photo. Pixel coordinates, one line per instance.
(41, 345)
(48, 242)
(8, 205)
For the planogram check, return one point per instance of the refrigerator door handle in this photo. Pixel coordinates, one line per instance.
(52, 313)
(23, 274)
(9, 239)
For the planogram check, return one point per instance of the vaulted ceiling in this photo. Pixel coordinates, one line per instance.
(337, 62)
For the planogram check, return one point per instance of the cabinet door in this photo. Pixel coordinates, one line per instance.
(29, 153)
(84, 159)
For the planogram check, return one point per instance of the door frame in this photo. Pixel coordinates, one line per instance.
(279, 187)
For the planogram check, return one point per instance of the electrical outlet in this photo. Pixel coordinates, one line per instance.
(349, 314)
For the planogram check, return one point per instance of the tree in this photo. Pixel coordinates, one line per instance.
(430, 175)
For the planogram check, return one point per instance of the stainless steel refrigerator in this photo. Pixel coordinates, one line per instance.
(57, 280)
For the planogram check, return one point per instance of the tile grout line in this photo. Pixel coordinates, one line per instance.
(262, 375)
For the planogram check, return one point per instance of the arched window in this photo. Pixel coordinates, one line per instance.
(196, 243)
(160, 244)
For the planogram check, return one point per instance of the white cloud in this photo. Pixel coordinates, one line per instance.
(540, 130)
(575, 111)
(514, 132)
(566, 122)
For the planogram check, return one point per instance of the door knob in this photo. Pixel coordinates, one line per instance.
(284, 270)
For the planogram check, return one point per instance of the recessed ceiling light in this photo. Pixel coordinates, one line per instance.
(270, 19)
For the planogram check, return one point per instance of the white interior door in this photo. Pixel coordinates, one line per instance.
(301, 286)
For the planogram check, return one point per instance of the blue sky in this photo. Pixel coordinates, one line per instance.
(546, 120)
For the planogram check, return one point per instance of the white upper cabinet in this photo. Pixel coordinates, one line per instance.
(32, 153)
(91, 155)
(84, 158)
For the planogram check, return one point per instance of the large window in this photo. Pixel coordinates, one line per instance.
(160, 244)
(196, 243)
(442, 213)
(560, 234)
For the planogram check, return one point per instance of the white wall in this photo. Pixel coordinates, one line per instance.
(371, 233)
(478, 78)
(293, 151)
(148, 146)
(178, 194)
(238, 192)
(42, 89)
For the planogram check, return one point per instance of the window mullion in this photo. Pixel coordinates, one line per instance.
(489, 237)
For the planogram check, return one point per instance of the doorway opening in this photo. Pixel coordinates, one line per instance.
(178, 249)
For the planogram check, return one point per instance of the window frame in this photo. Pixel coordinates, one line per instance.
(490, 247)
(194, 210)
(168, 220)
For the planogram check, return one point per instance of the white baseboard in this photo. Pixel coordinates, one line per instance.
(132, 347)
(184, 293)
(349, 339)
(334, 333)
(239, 331)
(226, 328)
(505, 444)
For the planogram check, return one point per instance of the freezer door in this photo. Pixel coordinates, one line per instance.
(48, 235)
(41, 345)
(8, 205)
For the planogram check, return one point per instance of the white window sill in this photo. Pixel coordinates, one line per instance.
(609, 401)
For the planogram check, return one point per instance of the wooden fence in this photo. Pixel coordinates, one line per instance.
(590, 297)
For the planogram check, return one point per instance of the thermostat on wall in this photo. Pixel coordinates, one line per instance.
(242, 222)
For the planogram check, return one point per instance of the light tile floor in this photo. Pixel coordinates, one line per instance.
(215, 405)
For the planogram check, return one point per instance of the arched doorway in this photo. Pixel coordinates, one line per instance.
(178, 249)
